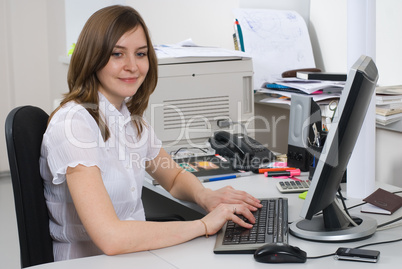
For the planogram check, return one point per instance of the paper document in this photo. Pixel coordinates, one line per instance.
(391, 90)
(316, 97)
(277, 40)
(309, 86)
(187, 48)
(369, 208)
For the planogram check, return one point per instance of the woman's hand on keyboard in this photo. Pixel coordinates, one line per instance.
(210, 199)
(225, 212)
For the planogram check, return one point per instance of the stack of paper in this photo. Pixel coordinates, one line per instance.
(322, 92)
(188, 49)
(311, 86)
(388, 104)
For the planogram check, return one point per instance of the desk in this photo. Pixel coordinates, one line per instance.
(198, 253)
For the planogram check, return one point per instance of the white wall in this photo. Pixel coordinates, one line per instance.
(328, 22)
(328, 32)
(5, 60)
(208, 22)
(24, 59)
(328, 28)
(77, 13)
(389, 59)
(389, 40)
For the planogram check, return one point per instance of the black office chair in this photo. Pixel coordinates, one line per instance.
(25, 127)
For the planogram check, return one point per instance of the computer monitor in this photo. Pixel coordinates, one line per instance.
(333, 224)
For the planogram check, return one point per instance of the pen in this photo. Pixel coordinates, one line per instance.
(273, 169)
(243, 174)
(289, 173)
(219, 178)
(239, 32)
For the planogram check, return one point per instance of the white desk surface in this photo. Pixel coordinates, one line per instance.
(198, 253)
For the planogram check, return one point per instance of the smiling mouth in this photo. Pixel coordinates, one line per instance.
(129, 80)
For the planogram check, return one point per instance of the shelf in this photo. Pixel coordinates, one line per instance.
(395, 126)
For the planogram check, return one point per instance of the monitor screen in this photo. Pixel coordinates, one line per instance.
(334, 224)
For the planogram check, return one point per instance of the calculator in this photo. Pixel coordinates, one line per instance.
(288, 186)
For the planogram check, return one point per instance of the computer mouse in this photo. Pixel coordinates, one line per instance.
(280, 253)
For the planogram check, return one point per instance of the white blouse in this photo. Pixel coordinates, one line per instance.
(73, 138)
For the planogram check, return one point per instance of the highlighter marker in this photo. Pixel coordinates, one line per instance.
(263, 170)
(289, 173)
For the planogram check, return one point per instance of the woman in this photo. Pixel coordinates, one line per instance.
(98, 146)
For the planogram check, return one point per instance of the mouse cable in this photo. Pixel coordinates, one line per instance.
(322, 256)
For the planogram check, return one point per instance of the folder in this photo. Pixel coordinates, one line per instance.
(385, 200)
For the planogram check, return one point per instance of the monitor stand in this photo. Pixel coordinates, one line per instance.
(315, 230)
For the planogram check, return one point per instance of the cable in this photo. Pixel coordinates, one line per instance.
(182, 148)
(383, 228)
(322, 256)
(380, 243)
(389, 222)
(346, 214)
(343, 202)
(345, 209)
(351, 207)
(362, 246)
(242, 126)
(348, 208)
(378, 228)
(396, 192)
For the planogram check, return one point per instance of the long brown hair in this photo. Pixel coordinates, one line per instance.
(92, 52)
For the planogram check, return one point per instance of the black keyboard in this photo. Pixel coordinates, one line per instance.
(271, 227)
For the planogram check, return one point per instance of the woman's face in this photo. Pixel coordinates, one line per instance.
(126, 69)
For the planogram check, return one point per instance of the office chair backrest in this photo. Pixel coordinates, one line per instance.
(25, 127)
